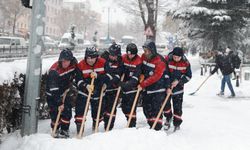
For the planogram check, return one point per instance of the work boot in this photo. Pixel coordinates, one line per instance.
(56, 133)
(93, 126)
(220, 94)
(231, 96)
(64, 134)
(78, 127)
(166, 125)
(176, 128)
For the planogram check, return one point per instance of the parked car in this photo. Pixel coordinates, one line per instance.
(87, 43)
(105, 43)
(49, 43)
(126, 39)
(66, 39)
(12, 42)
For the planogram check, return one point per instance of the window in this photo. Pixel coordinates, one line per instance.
(4, 41)
(17, 41)
(80, 41)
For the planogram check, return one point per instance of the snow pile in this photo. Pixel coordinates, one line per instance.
(8, 69)
(209, 123)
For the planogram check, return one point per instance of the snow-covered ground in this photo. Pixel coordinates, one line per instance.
(209, 123)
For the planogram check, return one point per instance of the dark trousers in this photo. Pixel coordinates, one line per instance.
(80, 108)
(109, 99)
(151, 106)
(127, 103)
(177, 109)
(66, 114)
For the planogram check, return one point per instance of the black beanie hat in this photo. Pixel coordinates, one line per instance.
(178, 51)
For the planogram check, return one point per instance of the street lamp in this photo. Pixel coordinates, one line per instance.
(108, 40)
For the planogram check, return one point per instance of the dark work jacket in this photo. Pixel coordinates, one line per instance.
(155, 73)
(223, 63)
(58, 81)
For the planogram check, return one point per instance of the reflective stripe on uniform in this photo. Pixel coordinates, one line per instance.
(154, 119)
(135, 78)
(117, 76)
(177, 68)
(54, 89)
(177, 116)
(129, 92)
(86, 95)
(65, 121)
(79, 82)
(156, 91)
(109, 90)
(87, 71)
(186, 77)
(48, 93)
(99, 69)
(178, 92)
(130, 65)
(67, 72)
(149, 64)
(110, 77)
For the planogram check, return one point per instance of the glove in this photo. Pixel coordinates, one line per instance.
(90, 88)
(93, 75)
(139, 87)
(61, 107)
(174, 83)
(169, 91)
(104, 86)
(124, 86)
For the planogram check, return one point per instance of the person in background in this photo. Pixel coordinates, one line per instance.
(223, 63)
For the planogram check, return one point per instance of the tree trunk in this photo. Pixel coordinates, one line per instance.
(151, 18)
(14, 24)
(152, 7)
(215, 41)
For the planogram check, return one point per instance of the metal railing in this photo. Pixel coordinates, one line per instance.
(22, 51)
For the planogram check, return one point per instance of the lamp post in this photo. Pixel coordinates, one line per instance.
(33, 72)
(108, 37)
(108, 40)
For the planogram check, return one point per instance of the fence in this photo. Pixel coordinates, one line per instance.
(13, 52)
(244, 70)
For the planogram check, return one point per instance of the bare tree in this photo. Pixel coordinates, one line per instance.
(11, 10)
(148, 11)
(84, 19)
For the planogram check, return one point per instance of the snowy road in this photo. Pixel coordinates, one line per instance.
(210, 123)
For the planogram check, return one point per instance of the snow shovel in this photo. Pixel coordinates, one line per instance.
(85, 111)
(59, 114)
(134, 104)
(99, 109)
(200, 85)
(114, 105)
(161, 110)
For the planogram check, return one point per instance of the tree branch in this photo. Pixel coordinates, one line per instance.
(142, 12)
(156, 12)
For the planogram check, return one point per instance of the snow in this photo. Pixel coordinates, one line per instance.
(37, 49)
(197, 10)
(186, 9)
(209, 123)
(222, 18)
(19, 66)
(39, 30)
